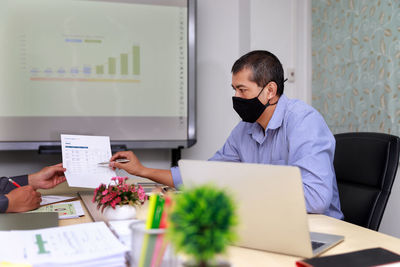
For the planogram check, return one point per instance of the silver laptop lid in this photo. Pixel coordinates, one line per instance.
(271, 205)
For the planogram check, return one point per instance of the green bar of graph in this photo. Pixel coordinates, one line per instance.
(136, 60)
(112, 65)
(100, 69)
(124, 64)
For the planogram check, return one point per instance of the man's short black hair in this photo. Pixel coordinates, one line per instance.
(265, 68)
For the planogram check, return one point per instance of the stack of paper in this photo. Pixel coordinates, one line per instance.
(90, 244)
(50, 199)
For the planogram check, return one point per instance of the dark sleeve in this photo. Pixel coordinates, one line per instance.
(6, 186)
(3, 203)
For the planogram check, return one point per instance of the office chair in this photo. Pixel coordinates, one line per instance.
(365, 166)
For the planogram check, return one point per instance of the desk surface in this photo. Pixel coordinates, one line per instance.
(356, 238)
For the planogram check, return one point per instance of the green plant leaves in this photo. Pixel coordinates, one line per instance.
(202, 222)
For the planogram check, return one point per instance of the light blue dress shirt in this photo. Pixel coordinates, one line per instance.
(296, 135)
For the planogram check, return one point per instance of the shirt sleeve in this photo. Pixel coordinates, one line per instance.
(176, 177)
(228, 151)
(311, 148)
(6, 187)
(3, 203)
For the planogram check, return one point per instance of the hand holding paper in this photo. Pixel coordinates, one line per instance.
(81, 155)
(48, 177)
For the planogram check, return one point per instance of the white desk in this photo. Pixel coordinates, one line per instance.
(356, 238)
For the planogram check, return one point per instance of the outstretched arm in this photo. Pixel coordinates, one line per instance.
(135, 167)
(47, 177)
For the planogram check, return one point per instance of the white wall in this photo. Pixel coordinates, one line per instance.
(218, 47)
(390, 220)
(246, 25)
(284, 28)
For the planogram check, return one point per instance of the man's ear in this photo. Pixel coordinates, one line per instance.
(272, 88)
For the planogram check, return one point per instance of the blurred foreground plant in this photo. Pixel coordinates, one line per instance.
(202, 223)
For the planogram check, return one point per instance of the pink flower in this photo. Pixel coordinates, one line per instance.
(118, 193)
(125, 188)
(121, 180)
(142, 194)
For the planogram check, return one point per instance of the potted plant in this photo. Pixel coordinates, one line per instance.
(201, 224)
(117, 201)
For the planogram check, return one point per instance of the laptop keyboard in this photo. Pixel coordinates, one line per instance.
(316, 244)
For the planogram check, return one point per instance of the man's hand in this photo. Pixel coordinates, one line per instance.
(47, 177)
(22, 199)
(133, 166)
(136, 168)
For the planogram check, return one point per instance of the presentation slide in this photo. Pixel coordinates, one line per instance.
(61, 54)
(65, 59)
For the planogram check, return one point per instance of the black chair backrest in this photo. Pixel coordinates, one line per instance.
(365, 166)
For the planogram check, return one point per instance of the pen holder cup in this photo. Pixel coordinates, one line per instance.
(150, 247)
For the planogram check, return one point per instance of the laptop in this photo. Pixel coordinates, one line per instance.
(271, 206)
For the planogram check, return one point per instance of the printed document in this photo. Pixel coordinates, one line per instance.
(66, 210)
(81, 155)
(50, 199)
(87, 244)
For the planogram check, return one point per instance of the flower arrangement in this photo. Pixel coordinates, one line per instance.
(202, 223)
(118, 193)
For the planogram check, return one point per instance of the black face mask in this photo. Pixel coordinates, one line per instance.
(249, 109)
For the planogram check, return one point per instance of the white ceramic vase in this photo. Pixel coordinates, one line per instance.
(124, 212)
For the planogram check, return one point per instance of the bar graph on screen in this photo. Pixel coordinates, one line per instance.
(125, 67)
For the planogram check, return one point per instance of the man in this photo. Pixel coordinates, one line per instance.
(19, 194)
(274, 130)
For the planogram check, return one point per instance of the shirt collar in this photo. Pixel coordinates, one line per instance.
(257, 132)
(277, 117)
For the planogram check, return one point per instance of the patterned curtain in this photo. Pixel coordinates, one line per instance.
(356, 64)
